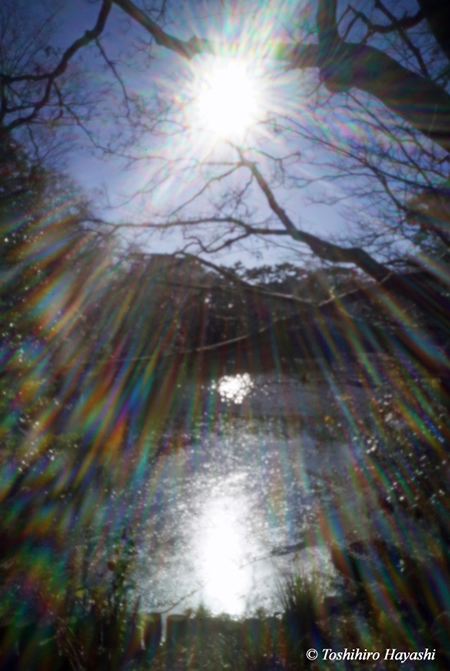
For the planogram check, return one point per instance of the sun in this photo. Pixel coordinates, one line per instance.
(229, 98)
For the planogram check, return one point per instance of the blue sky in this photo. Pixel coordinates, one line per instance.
(95, 171)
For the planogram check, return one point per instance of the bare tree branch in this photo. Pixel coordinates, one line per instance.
(50, 78)
(323, 249)
(188, 49)
(405, 23)
(420, 101)
(437, 14)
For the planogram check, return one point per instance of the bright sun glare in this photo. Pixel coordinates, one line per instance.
(222, 552)
(234, 387)
(229, 98)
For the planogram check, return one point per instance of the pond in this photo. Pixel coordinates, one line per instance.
(250, 493)
(250, 477)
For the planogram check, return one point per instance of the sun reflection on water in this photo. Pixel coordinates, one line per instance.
(222, 553)
(234, 387)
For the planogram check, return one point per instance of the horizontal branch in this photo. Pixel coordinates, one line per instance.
(183, 223)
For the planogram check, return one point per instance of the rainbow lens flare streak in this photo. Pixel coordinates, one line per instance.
(110, 430)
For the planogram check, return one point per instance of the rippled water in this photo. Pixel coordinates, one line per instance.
(270, 474)
(236, 505)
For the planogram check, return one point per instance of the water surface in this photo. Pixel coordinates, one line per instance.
(239, 503)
